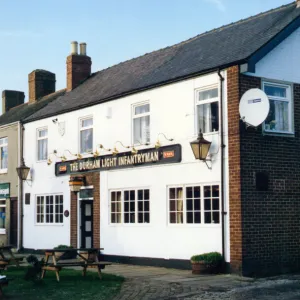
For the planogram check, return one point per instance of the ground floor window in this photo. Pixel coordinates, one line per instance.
(49, 209)
(130, 206)
(2, 215)
(196, 204)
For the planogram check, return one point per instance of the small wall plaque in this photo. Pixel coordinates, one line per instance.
(66, 213)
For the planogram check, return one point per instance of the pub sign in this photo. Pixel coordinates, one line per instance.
(4, 190)
(146, 157)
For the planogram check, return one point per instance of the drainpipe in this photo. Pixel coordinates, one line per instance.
(21, 216)
(223, 213)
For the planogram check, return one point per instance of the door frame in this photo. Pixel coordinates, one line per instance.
(79, 212)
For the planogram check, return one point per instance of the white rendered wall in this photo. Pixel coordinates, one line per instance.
(172, 113)
(283, 62)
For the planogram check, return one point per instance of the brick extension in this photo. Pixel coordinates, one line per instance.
(91, 179)
(271, 223)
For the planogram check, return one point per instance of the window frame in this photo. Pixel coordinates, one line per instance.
(202, 224)
(197, 102)
(3, 230)
(289, 100)
(44, 212)
(37, 143)
(1, 146)
(136, 212)
(134, 116)
(85, 128)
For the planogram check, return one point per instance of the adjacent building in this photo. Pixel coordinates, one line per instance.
(123, 136)
(14, 110)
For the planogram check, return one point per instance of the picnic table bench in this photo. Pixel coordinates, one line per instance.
(88, 258)
(7, 257)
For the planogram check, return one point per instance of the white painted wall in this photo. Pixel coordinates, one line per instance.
(283, 62)
(172, 113)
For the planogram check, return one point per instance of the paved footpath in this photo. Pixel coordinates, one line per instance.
(151, 283)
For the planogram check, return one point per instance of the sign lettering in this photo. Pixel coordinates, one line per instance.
(163, 155)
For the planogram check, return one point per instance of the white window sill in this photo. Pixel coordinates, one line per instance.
(3, 171)
(41, 161)
(49, 224)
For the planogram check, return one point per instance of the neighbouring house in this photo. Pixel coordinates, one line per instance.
(113, 165)
(14, 110)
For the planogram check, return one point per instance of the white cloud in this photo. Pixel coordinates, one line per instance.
(19, 34)
(218, 3)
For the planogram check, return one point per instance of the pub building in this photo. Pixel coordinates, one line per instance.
(149, 159)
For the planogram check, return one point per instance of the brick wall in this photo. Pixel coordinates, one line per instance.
(234, 169)
(271, 222)
(91, 179)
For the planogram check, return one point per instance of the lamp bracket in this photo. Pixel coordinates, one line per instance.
(209, 167)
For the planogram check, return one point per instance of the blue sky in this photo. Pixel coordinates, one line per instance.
(36, 34)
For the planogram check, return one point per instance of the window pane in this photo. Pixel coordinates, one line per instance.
(207, 204)
(142, 109)
(275, 91)
(197, 217)
(216, 205)
(207, 191)
(278, 118)
(208, 94)
(140, 194)
(216, 217)
(42, 149)
(4, 157)
(141, 130)
(43, 133)
(126, 195)
(86, 123)
(146, 194)
(189, 192)
(2, 217)
(140, 206)
(207, 217)
(172, 193)
(197, 204)
(86, 140)
(146, 206)
(215, 191)
(189, 217)
(189, 204)
(147, 218)
(197, 192)
(208, 117)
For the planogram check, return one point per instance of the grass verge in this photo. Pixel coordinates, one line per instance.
(72, 286)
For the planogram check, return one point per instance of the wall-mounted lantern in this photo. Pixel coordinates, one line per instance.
(200, 148)
(76, 182)
(23, 171)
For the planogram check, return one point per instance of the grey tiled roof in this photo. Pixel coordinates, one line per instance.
(21, 112)
(220, 47)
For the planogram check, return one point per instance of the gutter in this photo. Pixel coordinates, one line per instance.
(223, 213)
(115, 97)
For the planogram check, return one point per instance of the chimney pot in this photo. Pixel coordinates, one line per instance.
(79, 68)
(82, 48)
(74, 48)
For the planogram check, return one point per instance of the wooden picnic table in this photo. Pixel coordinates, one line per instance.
(88, 258)
(8, 257)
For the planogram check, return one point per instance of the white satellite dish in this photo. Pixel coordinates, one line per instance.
(254, 107)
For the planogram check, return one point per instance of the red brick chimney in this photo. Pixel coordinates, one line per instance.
(78, 66)
(11, 99)
(41, 83)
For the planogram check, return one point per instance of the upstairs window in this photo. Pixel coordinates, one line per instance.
(86, 135)
(207, 110)
(141, 123)
(280, 118)
(3, 154)
(42, 144)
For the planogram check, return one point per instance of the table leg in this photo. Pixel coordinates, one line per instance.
(13, 258)
(57, 274)
(99, 272)
(44, 271)
(84, 271)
